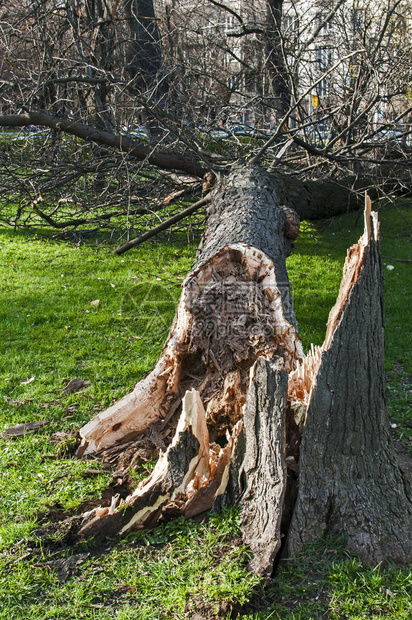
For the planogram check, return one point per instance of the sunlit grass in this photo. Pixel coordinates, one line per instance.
(51, 333)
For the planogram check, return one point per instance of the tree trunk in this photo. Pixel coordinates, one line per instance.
(349, 481)
(275, 62)
(219, 399)
(258, 471)
(144, 56)
(235, 306)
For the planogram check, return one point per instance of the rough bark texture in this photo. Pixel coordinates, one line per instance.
(349, 481)
(144, 56)
(222, 377)
(320, 198)
(235, 310)
(247, 209)
(258, 474)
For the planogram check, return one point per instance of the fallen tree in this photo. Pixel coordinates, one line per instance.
(122, 143)
(302, 443)
(44, 185)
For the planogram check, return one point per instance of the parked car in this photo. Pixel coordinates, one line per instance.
(241, 130)
(20, 135)
(318, 135)
(266, 132)
(218, 132)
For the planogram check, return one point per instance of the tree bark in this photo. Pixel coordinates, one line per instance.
(275, 57)
(220, 400)
(349, 482)
(258, 472)
(144, 56)
(235, 311)
(235, 306)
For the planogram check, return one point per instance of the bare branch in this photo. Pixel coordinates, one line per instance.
(167, 224)
(106, 138)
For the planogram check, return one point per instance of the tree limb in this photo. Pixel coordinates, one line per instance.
(123, 143)
(172, 220)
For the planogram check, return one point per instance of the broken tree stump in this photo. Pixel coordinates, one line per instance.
(258, 472)
(186, 479)
(235, 307)
(349, 481)
(304, 458)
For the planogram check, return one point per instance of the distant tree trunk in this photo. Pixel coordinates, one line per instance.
(275, 57)
(232, 395)
(144, 56)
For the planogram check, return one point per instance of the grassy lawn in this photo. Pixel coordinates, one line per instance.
(77, 311)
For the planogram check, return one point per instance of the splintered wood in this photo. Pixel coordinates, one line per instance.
(240, 415)
(186, 480)
(230, 313)
(350, 484)
(301, 379)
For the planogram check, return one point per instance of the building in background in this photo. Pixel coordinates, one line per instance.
(312, 63)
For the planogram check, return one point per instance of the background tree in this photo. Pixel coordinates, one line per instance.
(324, 88)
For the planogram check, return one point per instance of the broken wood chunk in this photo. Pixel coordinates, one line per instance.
(74, 386)
(220, 329)
(186, 479)
(24, 429)
(349, 481)
(258, 468)
(319, 462)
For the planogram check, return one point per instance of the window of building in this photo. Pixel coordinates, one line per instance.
(230, 22)
(231, 82)
(207, 57)
(322, 88)
(290, 60)
(324, 56)
(290, 24)
(325, 28)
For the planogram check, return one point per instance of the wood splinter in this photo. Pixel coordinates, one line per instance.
(186, 480)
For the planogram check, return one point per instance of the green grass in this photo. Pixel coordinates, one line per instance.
(328, 583)
(51, 333)
(155, 576)
(315, 269)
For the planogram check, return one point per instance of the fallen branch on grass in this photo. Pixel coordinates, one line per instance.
(163, 226)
